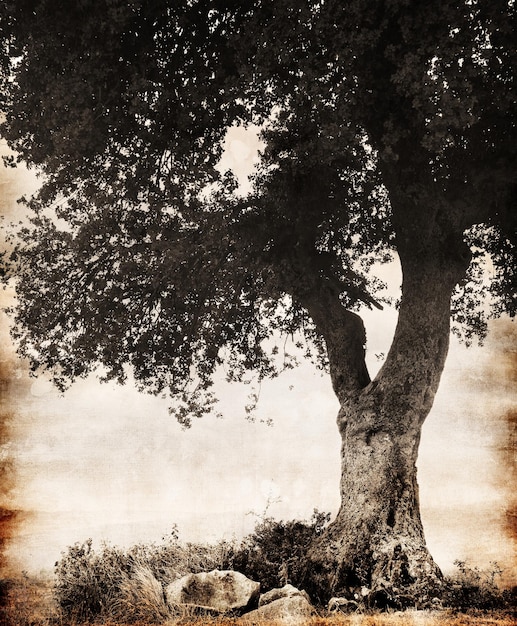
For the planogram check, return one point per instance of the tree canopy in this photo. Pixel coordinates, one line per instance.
(389, 127)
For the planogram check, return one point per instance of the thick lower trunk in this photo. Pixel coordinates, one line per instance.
(377, 539)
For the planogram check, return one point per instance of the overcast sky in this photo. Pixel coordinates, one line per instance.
(109, 463)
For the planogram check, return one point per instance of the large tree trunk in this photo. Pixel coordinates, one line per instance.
(377, 539)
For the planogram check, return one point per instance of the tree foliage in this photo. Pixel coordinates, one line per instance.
(388, 126)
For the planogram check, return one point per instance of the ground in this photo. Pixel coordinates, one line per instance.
(30, 603)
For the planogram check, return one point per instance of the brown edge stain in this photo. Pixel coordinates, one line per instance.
(10, 517)
(505, 340)
(509, 453)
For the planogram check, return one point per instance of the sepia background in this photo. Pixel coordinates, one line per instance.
(107, 463)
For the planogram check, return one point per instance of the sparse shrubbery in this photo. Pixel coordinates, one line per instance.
(128, 586)
(277, 553)
(474, 588)
(85, 579)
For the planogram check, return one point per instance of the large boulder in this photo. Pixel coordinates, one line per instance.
(220, 591)
(287, 591)
(288, 610)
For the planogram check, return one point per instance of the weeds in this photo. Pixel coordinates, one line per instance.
(474, 588)
(28, 601)
(113, 587)
(139, 597)
(129, 585)
(276, 553)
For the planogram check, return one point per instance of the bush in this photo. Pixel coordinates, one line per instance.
(277, 552)
(473, 588)
(85, 580)
(128, 585)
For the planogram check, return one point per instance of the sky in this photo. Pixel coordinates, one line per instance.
(107, 462)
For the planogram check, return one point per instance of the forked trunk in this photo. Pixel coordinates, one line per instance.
(377, 540)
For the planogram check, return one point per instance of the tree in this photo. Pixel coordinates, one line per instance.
(389, 129)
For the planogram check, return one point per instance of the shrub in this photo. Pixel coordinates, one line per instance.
(128, 585)
(277, 552)
(473, 588)
(85, 580)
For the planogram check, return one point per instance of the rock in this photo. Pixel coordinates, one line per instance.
(218, 591)
(287, 591)
(342, 604)
(289, 610)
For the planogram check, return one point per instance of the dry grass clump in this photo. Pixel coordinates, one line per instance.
(139, 597)
(128, 586)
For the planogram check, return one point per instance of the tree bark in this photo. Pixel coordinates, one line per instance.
(377, 539)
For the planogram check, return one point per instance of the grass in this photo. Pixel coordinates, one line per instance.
(408, 618)
(31, 603)
(114, 587)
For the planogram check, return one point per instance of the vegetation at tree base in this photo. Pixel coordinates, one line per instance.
(277, 553)
(126, 586)
(473, 588)
(389, 131)
(116, 586)
(114, 583)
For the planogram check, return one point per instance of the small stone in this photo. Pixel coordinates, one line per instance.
(289, 610)
(342, 604)
(287, 591)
